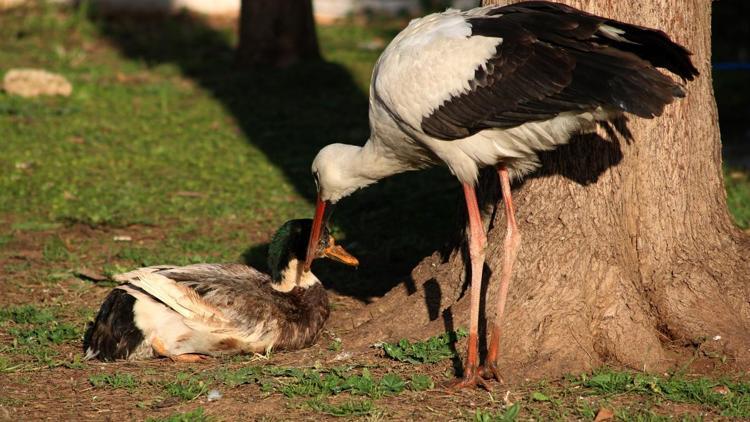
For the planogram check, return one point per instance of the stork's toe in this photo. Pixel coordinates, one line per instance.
(490, 371)
(471, 379)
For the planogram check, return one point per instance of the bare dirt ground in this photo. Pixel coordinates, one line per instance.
(61, 387)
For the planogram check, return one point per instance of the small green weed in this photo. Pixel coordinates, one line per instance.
(233, 378)
(296, 382)
(35, 226)
(432, 350)
(738, 196)
(5, 239)
(186, 387)
(6, 365)
(11, 401)
(335, 345)
(347, 408)
(55, 250)
(731, 398)
(537, 396)
(197, 415)
(76, 362)
(53, 333)
(586, 409)
(34, 330)
(116, 380)
(26, 314)
(420, 382)
(645, 415)
(313, 383)
(509, 415)
(392, 384)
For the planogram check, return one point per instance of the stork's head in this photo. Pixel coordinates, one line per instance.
(338, 172)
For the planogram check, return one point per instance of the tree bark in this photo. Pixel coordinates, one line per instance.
(276, 32)
(628, 250)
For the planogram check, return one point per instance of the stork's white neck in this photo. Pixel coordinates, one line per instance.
(342, 169)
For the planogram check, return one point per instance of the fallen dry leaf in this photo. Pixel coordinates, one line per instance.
(604, 414)
(721, 389)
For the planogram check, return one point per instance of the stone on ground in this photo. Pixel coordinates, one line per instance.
(35, 82)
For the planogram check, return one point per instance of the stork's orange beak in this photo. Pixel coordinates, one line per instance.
(317, 230)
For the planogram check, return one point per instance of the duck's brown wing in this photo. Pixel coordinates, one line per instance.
(245, 296)
(223, 308)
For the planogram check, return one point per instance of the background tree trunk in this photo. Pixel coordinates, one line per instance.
(628, 250)
(276, 32)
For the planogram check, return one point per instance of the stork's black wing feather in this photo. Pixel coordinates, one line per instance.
(554, 59)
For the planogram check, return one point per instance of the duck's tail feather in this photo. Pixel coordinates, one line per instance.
(181, 299)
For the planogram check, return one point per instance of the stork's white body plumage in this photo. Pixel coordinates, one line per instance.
(407, 83)
(433, 60)
(494, 86)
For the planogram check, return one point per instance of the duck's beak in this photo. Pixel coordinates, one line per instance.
(339, 254)
(317, 230)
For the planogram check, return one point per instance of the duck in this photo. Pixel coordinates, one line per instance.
(195, 312)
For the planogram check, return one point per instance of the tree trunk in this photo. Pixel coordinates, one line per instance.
(628, 251)
(276, 32)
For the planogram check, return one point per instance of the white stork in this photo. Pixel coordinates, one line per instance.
(493, 86)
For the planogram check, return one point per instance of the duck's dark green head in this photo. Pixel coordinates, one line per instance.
(290, 243)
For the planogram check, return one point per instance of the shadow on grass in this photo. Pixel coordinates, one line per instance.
(291, 113)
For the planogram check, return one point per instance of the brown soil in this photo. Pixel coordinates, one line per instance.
(40, 393)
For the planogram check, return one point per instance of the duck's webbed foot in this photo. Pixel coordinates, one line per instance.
(189, 358)
(160, 349)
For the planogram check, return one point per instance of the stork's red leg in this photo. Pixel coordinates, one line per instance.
(477, 244)
(510, 251)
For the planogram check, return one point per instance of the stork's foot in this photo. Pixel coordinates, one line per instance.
(490, 371)
(189, 358)
(471, 379)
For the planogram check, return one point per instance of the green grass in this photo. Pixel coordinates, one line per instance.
(431, 350)
(631, 396)
(734, 402)
(27, 314)
(55, 250)
(508, 415)
(348, 408)
(186, 387)
(197, 415)
(162, 131)
(35, 332)
(163, 139)
(31, 326)
(317, 385)
(626, 415)
(127, 151)
(116, 380)
(300, 382)
(738, 196)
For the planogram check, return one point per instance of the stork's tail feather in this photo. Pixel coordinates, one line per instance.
(113, 335)
(653, 46)
(649, 44)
